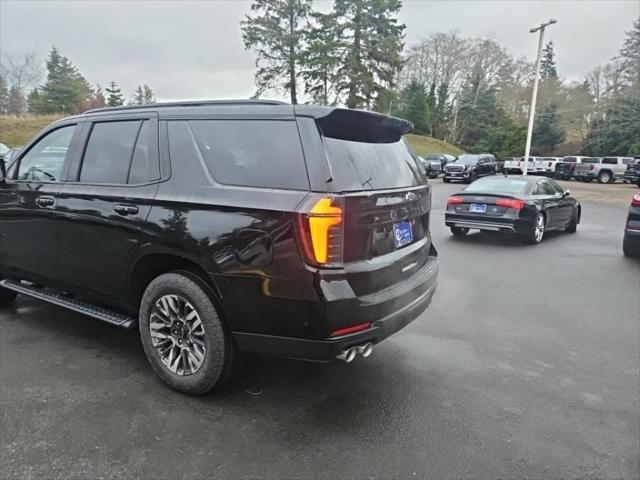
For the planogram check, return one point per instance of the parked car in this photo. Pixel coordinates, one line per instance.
(566, 166)
(176, 218)
(434, 163)
(606, 170)
(469, 167)
(3, 150)
(526, 206)
(505, 164)
(632, 174)
(631, 241)
(546, 166)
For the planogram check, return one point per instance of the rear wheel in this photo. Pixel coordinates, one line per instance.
(446, 180)
(537, 232)
(433, 175)
(459, 231)
(629, 249)
(604, 177)
(6, 296)
(182, 334)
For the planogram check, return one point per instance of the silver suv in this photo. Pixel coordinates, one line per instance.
(606, 170)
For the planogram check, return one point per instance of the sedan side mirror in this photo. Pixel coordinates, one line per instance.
(3, 170)
(567, 192)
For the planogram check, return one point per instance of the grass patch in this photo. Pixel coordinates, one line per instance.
(426, 145)
(16, 131)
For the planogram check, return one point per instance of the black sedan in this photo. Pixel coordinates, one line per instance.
(631, 242)
(527, 206)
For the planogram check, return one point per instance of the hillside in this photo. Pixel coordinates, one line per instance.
(425, 145)
(16, 131)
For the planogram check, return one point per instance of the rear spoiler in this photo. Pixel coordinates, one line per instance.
(358, 125)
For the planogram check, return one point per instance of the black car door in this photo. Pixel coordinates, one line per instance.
(553, 203)
(28, 197)
(106, 201)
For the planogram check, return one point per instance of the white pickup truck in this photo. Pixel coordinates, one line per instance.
(607, 170)
(515, 164)
(547, 166)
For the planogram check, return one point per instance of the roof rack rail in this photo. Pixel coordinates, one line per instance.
(190, 103)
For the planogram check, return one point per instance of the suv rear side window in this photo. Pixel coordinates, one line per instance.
(610, 161)
(371, 166)
(43, 162)
(252, 153)
(110, 154)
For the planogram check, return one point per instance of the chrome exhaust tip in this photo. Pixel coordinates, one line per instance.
(365, 350)
(347, 355)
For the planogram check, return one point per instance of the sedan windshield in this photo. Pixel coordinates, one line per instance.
(498, 185)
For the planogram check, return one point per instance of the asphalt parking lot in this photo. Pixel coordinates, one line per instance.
(525, 366)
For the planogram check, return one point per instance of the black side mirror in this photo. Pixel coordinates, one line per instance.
(3, 170)
(566, 193)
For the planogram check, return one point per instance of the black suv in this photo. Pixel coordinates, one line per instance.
(217, 227)
(469, 167)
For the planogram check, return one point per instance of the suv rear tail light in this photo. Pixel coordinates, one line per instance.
(455, 200)
(550, 164)
(321, 231)
(591, 166)
(510, 203)
(635, 201)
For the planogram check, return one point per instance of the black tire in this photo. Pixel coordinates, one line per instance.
(604, 177)
(218, 354)
(6, 296)
(459, 231)
(446, 180)
(629, 249)
(573, 224)
(534, 237)
(433, 175)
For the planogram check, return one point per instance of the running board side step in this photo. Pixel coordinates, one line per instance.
(64, 301)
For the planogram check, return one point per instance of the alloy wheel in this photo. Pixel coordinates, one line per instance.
(539, 228)
(177, 334)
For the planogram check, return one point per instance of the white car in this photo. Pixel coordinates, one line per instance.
(547, 165)
(516, 164)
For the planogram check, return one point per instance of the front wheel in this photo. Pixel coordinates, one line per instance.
(573, 224)
(537, 233)
(433, 175)
(459, 231)
(446, 180)
(182, 334)
(604, 177)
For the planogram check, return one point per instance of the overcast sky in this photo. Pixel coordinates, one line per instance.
(193, 49)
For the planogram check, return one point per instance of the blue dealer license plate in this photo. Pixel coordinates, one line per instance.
(402, 234)
(478, 208)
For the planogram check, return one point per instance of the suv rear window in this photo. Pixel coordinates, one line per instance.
(252, 153)
(371, 166)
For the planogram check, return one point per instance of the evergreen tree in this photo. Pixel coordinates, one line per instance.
(36, 102)
(275, 33)
(547, 134)
(371, 41)
(138, 97)
(97, 99)
(630, 56)
(16, 103)
(548, 63)
(321, 59)
(4, 95)
(114, 95)
(147, 94)
(66, 90)
(415, 106)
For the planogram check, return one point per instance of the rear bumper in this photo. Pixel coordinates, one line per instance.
(388, 311)
(506, 224)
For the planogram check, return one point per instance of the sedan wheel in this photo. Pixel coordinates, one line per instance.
(537, 233)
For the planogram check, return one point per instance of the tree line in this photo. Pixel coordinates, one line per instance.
(468, 91)
(64, 91)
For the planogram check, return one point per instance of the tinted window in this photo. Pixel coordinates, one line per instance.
(555, 186)
(144, 166)
(467, 159)
(570, 159)
(545, 188)
(498, 185)
(610, 161)
(108, 153)
(371, 166)
(590, 160)
(253, 153)
(627, 161)
(43, 162)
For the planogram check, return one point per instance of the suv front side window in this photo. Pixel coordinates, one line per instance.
(44, 161)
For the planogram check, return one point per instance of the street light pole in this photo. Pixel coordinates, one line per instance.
(534, 97)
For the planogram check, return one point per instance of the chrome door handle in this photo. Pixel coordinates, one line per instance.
(125, 209)
(45, 201)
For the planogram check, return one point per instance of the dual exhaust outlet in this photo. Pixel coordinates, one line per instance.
(349, 354)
